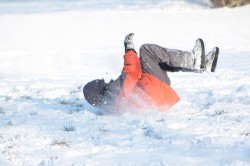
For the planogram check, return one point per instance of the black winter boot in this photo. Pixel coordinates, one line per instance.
(211, 59)
(199, 55)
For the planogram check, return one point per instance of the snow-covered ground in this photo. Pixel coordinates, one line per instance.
(47, 56)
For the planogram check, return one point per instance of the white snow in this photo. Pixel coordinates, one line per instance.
(47, 56)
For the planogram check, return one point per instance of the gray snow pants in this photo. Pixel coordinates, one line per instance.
(157, 60)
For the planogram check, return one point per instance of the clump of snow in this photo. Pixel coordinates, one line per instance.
(47, 58)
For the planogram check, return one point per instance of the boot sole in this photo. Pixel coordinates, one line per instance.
(214, 64)
(203, 65)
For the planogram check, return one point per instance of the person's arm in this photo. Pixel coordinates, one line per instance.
(131, 72)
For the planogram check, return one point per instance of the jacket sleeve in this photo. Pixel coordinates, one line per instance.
(131, 72)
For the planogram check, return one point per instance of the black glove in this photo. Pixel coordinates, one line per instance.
(128, 43)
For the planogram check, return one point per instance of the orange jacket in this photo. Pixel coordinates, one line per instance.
(142, 88)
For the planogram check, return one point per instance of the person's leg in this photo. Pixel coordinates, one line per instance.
(150, 63)
(156, 60)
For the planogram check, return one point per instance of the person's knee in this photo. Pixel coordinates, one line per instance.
(144, 49)
(145, 46)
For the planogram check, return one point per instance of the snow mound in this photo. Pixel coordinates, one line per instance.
(37, 6)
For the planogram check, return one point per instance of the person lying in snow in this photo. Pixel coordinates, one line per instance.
(144, 81)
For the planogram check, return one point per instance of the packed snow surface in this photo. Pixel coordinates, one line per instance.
(50, 49)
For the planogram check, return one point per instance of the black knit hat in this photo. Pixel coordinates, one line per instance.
(93, 92)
